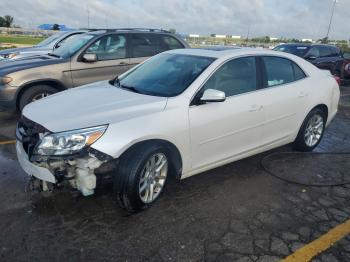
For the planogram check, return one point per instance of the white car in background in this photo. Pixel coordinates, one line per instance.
(179, 113)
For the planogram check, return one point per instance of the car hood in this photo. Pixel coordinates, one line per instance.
(10, 66)
(16, 50)
(91, 105)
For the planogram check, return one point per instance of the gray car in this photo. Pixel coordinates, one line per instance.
(83, 59)
(44, 47)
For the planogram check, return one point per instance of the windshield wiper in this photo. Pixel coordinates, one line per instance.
(54, 55)
(117, 81)
(131, 88)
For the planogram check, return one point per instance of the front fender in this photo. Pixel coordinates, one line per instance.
(158, 126)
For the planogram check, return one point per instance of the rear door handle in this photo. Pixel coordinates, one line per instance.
(255, 108)
(123, 63)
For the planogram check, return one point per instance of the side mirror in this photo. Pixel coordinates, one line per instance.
(310, 57)
(90, 58)
(212, 95)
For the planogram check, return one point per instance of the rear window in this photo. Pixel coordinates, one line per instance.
(293, 49)
(143, 45)
(169, 42)
(280, 71)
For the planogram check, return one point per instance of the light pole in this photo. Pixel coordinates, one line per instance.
(330, 21)
(88, 16)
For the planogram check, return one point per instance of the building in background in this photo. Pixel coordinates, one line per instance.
(307, 40)
(51, 27)
(220, 36)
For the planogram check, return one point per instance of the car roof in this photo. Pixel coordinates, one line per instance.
(307, 44)
(221, 52)
(127, 30)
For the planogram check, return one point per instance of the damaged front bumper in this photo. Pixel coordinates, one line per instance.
(78, 170)
(31, 169)
(78, 173)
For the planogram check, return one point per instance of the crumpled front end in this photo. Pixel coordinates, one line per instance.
(77, 170)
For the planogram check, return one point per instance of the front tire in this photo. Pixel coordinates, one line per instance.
(34, 93)
(141, 177)
(311, 131)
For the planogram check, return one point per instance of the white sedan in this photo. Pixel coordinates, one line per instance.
(178, 114)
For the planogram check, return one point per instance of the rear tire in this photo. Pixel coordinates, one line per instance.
(34, 93)
(137, 175)
(311, 131)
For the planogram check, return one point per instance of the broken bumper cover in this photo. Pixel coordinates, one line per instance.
(76, 169)
(31, 169)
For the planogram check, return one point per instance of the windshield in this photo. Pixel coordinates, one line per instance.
(72, 45)
(49, 40)
(165, 74)
(293, 49)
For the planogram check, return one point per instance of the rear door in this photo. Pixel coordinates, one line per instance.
(112, 60)
(285, 99)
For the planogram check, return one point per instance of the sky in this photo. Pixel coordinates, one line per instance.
(275, 18)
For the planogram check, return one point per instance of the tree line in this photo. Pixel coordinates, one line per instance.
(6, 21)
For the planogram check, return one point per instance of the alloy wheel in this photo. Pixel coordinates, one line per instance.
(153, 177)
(314, 130)
(40, 96)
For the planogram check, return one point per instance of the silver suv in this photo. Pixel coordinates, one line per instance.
(85, 58)
(46, 46)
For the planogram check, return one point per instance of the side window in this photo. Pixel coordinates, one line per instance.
(325, 51)
(143, 45)
(298, 73)
(315, 51)
(279, 70)
(235, 77)
(109, 47)
(335, 51)
(169, 42)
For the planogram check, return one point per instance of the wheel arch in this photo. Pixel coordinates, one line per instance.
(321, 106)
(50, 82)
(172, 150)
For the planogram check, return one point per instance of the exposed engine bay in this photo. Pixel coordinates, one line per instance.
(78, 170)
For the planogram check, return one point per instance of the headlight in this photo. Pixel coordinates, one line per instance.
(10, 56)
(70, 142)
(5, 80)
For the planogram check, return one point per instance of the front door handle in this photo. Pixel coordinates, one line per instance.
(123, 63)
(255, 108)
(302, 94)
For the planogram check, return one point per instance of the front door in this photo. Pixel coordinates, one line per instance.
(221, 131)
(112, 60)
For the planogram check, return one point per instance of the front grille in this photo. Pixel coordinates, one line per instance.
(28, 132)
